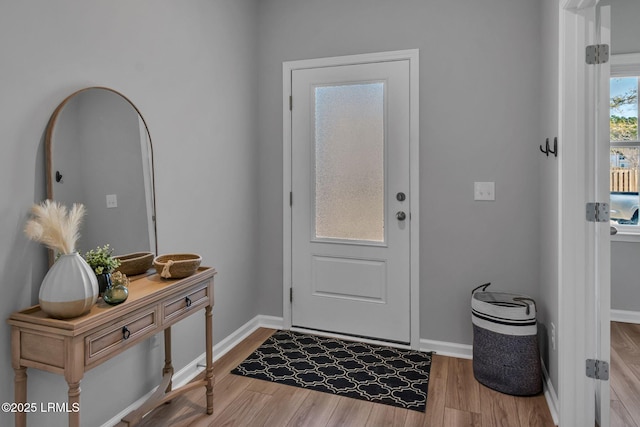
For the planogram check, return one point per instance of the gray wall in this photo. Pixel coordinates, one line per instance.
(479, 121)
(625, 256)
(548, 313)
(190, 68)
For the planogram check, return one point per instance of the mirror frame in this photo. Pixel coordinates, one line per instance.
(49, 154)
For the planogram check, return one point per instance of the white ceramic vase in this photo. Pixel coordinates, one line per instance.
(69, 289)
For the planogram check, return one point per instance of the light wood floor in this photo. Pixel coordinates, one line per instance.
(625, 375)
(455, 398)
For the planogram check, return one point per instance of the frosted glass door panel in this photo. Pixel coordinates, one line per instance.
(349, 162)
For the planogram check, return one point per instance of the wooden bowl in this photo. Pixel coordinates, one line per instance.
(177, 266)
(135, 263)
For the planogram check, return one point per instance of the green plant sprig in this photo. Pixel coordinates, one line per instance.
(101, 260)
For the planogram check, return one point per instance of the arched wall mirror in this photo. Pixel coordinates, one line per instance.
(99, 153)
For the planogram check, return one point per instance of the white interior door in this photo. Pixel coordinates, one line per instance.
(602, 240)
(584, 298)
(350, 217)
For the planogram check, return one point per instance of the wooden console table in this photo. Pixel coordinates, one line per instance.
(73, 346)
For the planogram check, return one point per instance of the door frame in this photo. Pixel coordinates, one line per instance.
(578, 293)
(412, 55)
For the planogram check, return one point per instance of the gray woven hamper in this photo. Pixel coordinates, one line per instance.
(506, 356)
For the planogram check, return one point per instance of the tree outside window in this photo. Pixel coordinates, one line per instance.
(625, 150)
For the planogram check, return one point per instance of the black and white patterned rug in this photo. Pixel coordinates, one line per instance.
(378, 374)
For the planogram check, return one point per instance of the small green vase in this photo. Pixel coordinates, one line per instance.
(115, 294)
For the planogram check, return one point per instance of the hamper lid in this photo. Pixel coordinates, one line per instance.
(504, 312)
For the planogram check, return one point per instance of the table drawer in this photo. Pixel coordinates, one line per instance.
(120, 335)
(193, 299)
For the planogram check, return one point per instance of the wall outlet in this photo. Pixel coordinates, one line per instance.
(112, 201)
(553, 336)
(484, 191)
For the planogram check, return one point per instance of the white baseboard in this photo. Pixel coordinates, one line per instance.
(550, 395)
(463, 351)
(270, 322)
(189, 372)
(625, 316)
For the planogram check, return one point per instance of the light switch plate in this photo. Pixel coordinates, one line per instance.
(112, 201)
(484, 191)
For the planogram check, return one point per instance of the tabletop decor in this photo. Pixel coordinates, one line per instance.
(117, 292)
(176, 266)
(69, 289)
(135, 263)
(103, 263)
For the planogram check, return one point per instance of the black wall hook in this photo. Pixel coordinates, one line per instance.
(544, 150)
(555, 147)
(58, 176)
(548, 149)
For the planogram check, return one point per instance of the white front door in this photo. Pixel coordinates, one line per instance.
(350, 218)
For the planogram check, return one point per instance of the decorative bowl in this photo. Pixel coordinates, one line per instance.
(177, 266)
(135, 263)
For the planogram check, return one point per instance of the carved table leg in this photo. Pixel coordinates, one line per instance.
(209, 354)
(73, 373)
(168, 367)
(74, 404)
(20, 394)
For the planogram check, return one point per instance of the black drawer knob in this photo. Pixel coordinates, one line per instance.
(187, 300)
(126, 333)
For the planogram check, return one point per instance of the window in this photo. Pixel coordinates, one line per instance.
(349, 157)
(625, 143)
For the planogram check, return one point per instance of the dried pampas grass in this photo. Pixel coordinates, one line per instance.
(55, 226)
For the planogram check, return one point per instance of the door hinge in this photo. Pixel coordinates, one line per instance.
(597, 54)
(290, 198)
(290, 103)
(597, 369)
(597, 212)
(290, 294)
